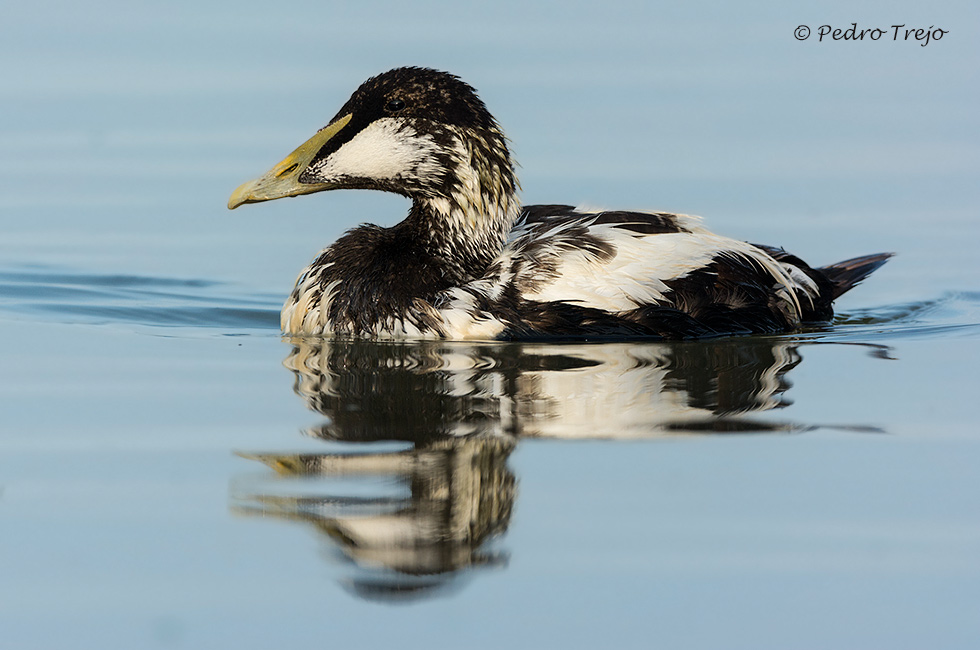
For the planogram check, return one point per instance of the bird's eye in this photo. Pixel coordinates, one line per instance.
(394, 105)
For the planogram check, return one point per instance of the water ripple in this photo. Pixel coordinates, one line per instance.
(61, 295)
(68, 296)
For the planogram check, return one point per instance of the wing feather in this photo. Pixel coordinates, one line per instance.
(592, 260)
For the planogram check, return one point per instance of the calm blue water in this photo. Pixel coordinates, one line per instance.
(173, 473)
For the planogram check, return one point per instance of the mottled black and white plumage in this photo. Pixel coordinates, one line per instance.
(469, 262)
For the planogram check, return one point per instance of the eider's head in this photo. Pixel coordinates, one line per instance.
(414, 131)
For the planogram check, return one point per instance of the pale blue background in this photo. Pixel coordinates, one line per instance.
(124, 128)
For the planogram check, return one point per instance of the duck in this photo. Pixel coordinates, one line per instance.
(470, 262)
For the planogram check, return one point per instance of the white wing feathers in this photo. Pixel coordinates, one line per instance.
(636, 273)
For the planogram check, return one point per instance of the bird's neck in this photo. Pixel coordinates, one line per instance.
(465, 228)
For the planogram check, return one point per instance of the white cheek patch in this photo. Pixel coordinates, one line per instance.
(386, 149)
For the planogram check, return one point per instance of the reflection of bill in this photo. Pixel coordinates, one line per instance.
(459, 409)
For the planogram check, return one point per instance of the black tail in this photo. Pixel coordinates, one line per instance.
(845, 275)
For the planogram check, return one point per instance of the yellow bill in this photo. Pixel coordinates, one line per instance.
(283, 179)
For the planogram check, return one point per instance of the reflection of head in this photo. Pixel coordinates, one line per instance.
(460, 494)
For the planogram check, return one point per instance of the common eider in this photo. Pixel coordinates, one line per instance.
(470, 262)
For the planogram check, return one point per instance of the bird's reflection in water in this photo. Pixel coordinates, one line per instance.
(459, 495)
(448, 415)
